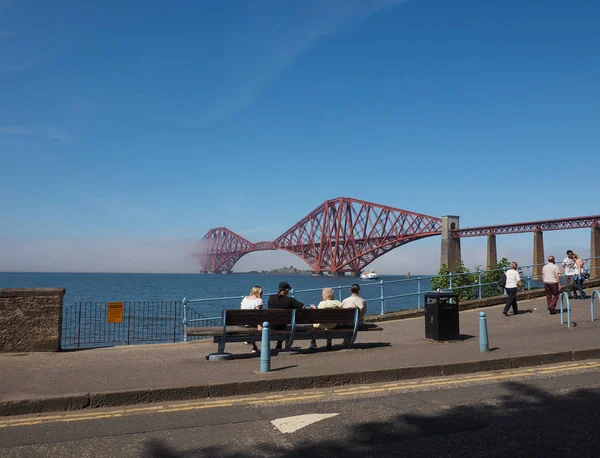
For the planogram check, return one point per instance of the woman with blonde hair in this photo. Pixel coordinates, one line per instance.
(579, 276)
(253, 302)
(328, 302)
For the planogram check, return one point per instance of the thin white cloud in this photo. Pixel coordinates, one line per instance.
(59, 135)
(274, 37)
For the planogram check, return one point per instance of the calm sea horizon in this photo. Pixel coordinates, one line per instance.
(108, 287)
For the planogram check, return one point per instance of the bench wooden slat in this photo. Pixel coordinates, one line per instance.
(256, 317)
(309, 316)
(241, 325)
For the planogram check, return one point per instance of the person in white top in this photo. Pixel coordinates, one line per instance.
(551, 279)
(328, 302)
(253, 302)
(570, 269)
(579, 263)
(356, 302)
(513, 283)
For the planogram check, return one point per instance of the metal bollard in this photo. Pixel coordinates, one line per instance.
(484, 344)
(265, 349)
(595, 293)
(564, 296)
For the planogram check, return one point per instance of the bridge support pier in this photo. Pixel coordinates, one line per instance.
(492, 252)
(595, 252)
(450, 246)
(538, 253)
(317, 274)
(337, 274)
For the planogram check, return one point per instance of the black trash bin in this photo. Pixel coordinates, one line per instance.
(441, 315)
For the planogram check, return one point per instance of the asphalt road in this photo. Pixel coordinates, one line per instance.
(543, 411)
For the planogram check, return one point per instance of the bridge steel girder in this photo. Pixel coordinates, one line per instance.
(578, 222)
(341, 235)
(221, 249)
(346, 235)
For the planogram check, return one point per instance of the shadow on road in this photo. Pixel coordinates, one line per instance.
(527, 422)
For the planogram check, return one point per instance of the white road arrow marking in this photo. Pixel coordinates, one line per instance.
(292, 424)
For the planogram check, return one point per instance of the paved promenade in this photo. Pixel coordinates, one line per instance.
(34, 382)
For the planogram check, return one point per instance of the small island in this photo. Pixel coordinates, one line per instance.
(283, 271)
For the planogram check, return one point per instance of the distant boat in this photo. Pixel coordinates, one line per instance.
(370, 275)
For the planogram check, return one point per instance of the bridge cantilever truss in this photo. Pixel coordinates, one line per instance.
(341, 235)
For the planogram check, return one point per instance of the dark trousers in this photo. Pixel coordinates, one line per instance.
(551, 295)
(570, 286)
(511, 300)
(579, 286)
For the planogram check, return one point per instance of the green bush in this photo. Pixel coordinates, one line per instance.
(465, 282)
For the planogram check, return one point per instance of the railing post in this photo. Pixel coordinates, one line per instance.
(340, 293)
(175, 321)
(484, 344)
(128, 322)
(479, 283)
(419, 292)
(450, 275)
(184, 302)
(79, 328)
(265, 349)
(382, 300)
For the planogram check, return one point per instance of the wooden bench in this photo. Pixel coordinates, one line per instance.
(242, 326)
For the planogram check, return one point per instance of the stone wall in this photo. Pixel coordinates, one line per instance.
(30, 319)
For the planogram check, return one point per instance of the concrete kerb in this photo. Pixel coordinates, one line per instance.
(79, 401)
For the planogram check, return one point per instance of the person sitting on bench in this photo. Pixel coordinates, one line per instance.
(282, 301)
(328, 302)
(253, 302)
(356, 302)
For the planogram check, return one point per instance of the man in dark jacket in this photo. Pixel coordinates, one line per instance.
(281, 300)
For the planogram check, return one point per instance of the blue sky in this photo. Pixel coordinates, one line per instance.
(129, 129)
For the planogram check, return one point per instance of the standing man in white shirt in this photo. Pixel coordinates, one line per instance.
(513, 283)
(551, 279)
(570, 269)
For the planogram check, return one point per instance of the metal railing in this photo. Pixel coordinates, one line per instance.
(401, 296)
(85, 324)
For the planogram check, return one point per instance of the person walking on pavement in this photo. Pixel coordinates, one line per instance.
(579, 276)
(282, 301)
(513, 283)
(551, 279)
(569, 269)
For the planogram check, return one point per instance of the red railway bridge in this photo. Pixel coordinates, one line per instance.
(344, 235)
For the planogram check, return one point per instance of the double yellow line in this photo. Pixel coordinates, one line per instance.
(303, 396)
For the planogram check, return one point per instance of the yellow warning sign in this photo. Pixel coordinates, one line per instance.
(115, 312)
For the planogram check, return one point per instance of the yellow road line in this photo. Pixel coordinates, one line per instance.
(440, 382)
(312, 396)
(470, 377)
(291, 397)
